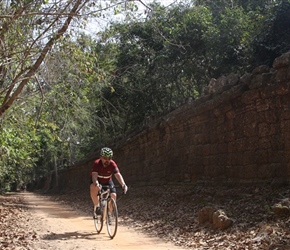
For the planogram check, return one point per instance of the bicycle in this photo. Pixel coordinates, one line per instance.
(109, 212)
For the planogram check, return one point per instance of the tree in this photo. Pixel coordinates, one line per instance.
(71, 86)
(273, 38)
(20, 62)
(29, 29)
(19, 150)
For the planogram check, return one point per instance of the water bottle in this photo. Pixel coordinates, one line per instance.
(103, 203)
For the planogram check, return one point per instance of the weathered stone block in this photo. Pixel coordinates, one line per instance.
(261, 157)
(266, 129)
(248, 157)
(221, 220)
(246, 79)
(248, 172)
(205, 215)
(283, 89)
(261, 69)
(282, 208)
(233, 79)
(282, 61)
(261, 80)
(281, 75)
(264, 143)
(265, 171)
(250, 97)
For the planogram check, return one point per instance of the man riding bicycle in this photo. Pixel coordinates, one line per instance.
(101, 174)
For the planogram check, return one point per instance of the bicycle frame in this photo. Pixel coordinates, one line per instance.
(109, 215)
(104, 197)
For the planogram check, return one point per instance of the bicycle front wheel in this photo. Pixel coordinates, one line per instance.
(112, 218)
(98, 221)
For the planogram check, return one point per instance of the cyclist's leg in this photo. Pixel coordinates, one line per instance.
(94, 194)
(98, 217)
(113, 194)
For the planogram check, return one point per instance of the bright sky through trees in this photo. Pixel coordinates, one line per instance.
(100, 23)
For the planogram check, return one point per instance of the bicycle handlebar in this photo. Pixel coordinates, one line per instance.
(109, 186)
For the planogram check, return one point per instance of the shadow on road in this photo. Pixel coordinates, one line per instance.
(70, 235)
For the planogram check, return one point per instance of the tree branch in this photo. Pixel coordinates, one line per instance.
(7, 104)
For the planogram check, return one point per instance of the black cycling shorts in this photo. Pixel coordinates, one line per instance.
(110, 183)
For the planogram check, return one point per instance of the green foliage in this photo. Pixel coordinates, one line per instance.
(75, 87)
(273, 38)
(19, 152)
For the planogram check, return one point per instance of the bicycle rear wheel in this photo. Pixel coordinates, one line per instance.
(98, 221)
(112, 218)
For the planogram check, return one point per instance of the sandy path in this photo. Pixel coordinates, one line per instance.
(61, 227)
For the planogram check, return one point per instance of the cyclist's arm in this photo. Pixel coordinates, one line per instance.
(120, 179)
(95, 178)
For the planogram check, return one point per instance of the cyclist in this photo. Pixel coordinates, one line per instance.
(101, 174)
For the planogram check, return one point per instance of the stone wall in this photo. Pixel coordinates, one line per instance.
(239, 131)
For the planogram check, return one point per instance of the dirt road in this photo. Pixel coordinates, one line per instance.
(61, 227)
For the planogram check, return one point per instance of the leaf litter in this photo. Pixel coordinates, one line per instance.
(170, 212)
